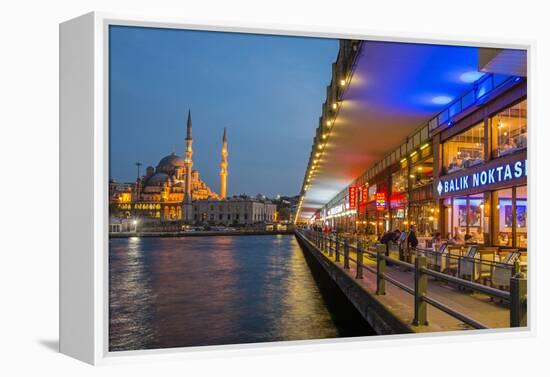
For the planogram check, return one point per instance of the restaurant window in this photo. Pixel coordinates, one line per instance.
(464, 150)
(421, 173)
(465, 220)
(510, 129)
(398, 204)
(521, 216)
(506, 228)
(424, 216)
(399, 181)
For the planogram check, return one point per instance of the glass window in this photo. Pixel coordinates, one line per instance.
(465, 218)
(505, 212)
(464, 150)
(475, 219)
(424, 216)
(521, 216)
(399, 181)
(421, 173)
(511, 129)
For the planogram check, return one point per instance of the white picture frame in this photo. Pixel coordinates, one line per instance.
(84, 179)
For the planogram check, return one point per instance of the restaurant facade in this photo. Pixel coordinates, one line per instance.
(480, 172)
(462, 175)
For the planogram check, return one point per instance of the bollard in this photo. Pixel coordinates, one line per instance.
(359, 264)
(380, 269)
(346, 253)
(420, 289)
(330, 246)
(337, 250)
(518, 300)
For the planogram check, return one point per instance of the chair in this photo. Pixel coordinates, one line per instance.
(452, 258)
(438, 258)
(467, 266)
(504, 269)
(487, 259)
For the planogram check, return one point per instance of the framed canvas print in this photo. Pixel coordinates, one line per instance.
(223, 186)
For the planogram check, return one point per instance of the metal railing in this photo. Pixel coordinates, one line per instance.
(338, 247)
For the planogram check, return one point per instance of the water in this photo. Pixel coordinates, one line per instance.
(194, 291)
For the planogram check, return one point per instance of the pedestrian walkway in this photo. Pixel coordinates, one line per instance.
(490, 312)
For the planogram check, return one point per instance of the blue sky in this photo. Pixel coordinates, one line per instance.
(267, 91)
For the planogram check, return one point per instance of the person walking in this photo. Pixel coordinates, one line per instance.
(413, 241)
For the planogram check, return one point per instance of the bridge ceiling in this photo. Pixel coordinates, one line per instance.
(395, 89)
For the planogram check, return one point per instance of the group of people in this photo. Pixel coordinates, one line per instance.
(456, 238)
(394, 236)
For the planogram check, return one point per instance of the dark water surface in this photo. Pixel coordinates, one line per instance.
(193, 291)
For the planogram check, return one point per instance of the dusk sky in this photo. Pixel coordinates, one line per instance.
(267, 91)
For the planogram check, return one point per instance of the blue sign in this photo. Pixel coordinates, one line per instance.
(485, 177)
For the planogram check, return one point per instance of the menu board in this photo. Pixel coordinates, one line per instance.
(403, 236)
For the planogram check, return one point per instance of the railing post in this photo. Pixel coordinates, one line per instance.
(337, 250)
(420, 289)
(518, 300)
(359, 264)
(346, 253)
(330, 245)
(380, 269)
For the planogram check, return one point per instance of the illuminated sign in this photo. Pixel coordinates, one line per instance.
(337, 209)
(352, 197)
(372, 193)
(364, 194)
(380, 201)
(398, 200)
(483, 177)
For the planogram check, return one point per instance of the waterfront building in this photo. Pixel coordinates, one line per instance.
(481, 172)
(460, 170)
(166, 192)
(238, 210)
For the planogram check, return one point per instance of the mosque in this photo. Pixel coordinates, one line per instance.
(166, 192)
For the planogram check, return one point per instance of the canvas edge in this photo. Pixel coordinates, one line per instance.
(76, 176)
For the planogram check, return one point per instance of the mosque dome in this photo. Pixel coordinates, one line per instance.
(157, 179)
(171, 161)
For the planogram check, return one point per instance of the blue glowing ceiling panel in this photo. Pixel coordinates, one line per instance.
(395, 89)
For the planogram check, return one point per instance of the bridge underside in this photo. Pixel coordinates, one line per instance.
(394, 89)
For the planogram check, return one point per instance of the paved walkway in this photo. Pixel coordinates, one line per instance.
(477, 306)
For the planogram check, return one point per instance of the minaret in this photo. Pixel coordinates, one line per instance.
(223, 166)
(187, 206)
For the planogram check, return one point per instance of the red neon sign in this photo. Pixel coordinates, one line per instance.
(380, 201)
(364, 194)
(352, 191)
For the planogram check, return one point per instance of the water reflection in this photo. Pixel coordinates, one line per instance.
(175, 292)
